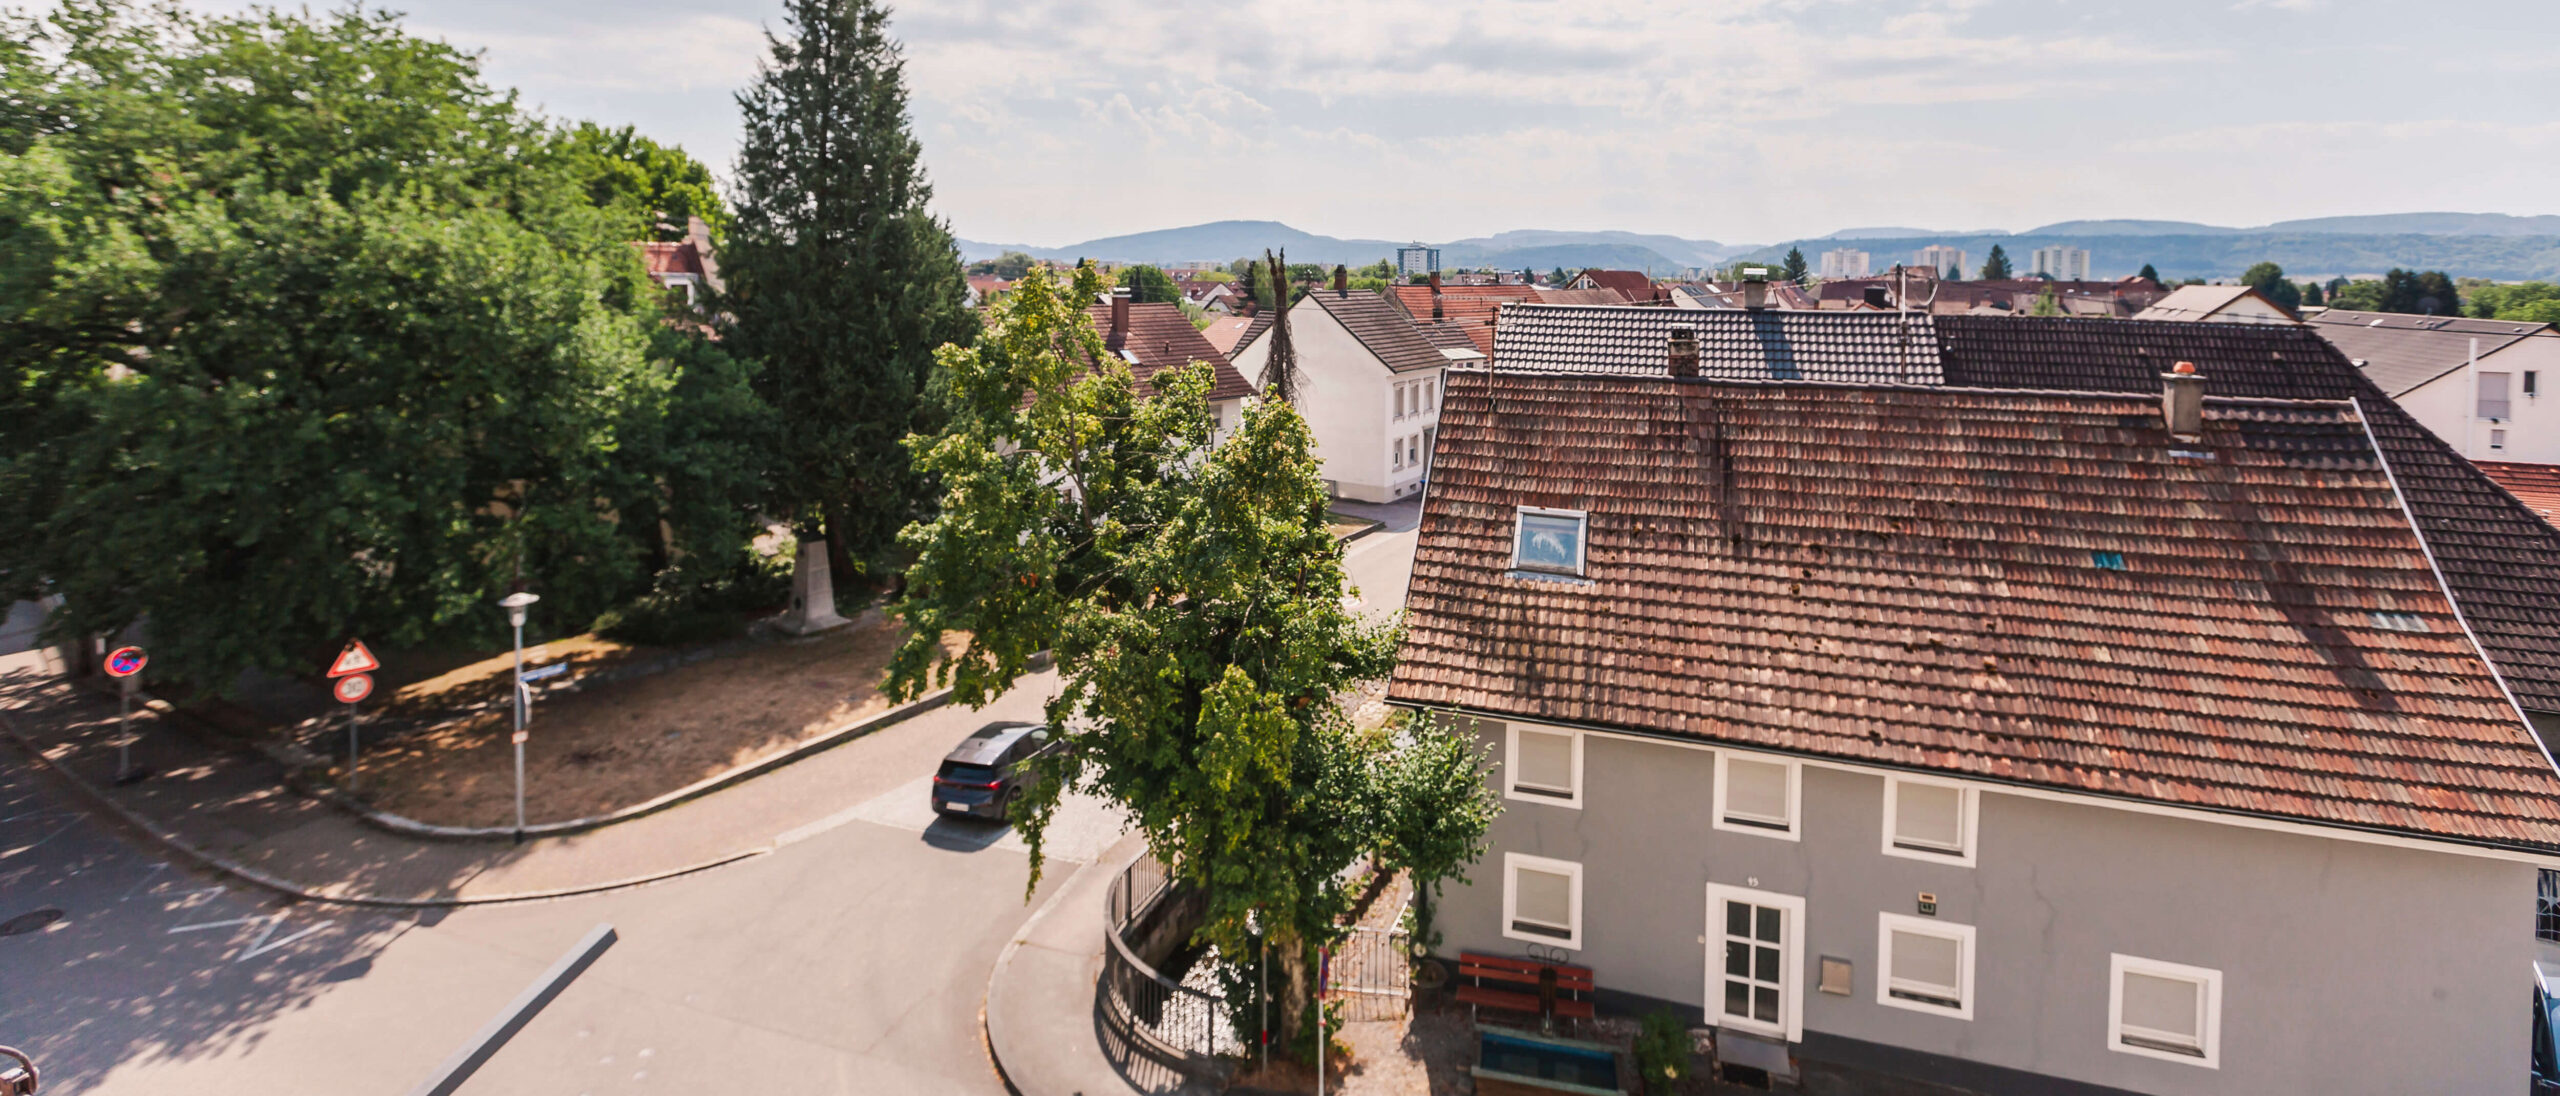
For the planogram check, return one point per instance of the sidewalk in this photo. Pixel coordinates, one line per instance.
(1044, 1027)
(230, 808)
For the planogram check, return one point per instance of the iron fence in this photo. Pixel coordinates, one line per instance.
(1370, 974)
(1185, 1022)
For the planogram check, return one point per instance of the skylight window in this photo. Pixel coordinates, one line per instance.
(1549, 540)
(2107, 561)
(2400, 622)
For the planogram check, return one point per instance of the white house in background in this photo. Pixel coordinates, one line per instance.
(1845, 263)
(2060, 263)
(1368, 383)
(2216, 304)
(1940, 257)
(2479, 384)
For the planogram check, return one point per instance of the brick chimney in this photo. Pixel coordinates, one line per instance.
(1436, 314)
(2182, 402)
(1119, 318)
(1341, 280)
(1684, 352)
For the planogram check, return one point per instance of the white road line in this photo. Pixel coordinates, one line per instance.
(147, 878)
(261, 947)
(234, 923)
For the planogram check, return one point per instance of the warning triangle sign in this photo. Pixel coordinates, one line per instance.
(354, 660)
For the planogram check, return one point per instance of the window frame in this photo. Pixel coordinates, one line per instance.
(2506, 395)
(1512, 862)
(1581, 542)
(1889, 923)
(1790, 962)
(2208, 1025)
(2546, 905)
(1511, 769)
(1793, 830)
(1969, 824)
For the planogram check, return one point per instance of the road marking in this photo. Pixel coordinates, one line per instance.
(261, 947)
(234, 923)
(147, 878)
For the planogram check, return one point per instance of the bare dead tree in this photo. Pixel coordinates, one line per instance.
(1280, 370)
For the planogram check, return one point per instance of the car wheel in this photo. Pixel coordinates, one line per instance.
(1004, 807)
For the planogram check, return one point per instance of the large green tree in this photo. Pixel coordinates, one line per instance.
(658, 187)
(1194, 599)
(2430, 293)
(1149, 285)
(1794, 268)
(841, 283)
(2269, 280)
(1995, 267)
(307, 332)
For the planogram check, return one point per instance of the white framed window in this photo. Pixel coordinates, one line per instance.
(1413, 450)
(1395, 452)
(1431, 392)
(1545, 766)
(2493, 396)
(2163, 1010)
(1758, 795)
(1542, 900)
(2497, 439)
(1399, 401)
(1755, 956)
(1931, 820)
(1548, 540)
(1924, 965)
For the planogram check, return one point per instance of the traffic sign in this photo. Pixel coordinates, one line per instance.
(520, 736)
(353, 687)
(126, 661)
(540, 672)
(354, 660)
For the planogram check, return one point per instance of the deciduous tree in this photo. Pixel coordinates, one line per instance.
(1194, 598)
(2269, 280)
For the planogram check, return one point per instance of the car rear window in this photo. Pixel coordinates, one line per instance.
(967, 774)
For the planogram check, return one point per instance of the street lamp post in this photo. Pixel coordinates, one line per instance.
(515, 605)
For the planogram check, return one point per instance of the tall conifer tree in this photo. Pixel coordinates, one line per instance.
(840, 281)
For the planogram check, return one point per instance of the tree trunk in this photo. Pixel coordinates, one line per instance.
(1295, 989)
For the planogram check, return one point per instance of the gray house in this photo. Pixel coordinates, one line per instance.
(2020, 737)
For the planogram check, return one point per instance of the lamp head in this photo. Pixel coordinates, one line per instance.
(515, 604)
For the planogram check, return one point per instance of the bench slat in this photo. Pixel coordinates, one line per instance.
(1521, 1002)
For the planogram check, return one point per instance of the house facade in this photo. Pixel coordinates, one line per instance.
(1819, 731)
(1368, 383)
(1157, 337)
(2481, 385)
(2217, 304)
(1920, 698)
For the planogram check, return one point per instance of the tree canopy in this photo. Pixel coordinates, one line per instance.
(1995, 267)
(2269, 280)
(1794, 269)
(840, 281)
(2148, 274)
(2532, 302)
(1149, 285)
(311, 333)
(2431, 293)
(1008, 266)
(1194, 599)
(655, 186)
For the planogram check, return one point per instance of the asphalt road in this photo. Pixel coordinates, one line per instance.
(853, 959)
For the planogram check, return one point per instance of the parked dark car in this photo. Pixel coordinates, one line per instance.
(983, 775)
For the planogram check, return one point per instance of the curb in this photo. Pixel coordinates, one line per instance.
(1114, 859)
(226, 866)
(410, 827)
(1373, 526)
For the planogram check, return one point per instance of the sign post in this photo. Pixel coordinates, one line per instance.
(125, 665)
(353, 671)
(515, 604)
(352, 689)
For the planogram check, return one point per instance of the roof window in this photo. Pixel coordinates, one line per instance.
(2107, 561)
(1548, 540)
(2400, 622)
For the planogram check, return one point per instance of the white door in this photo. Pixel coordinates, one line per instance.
(1755, 966)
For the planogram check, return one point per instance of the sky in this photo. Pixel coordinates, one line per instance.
(1741, 121)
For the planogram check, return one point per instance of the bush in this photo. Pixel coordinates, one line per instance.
(1662, 1051)
(682, 609)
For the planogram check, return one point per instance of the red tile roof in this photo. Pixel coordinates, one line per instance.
(1632, 285)
(1928, 578)
(680, 257)
(1161, 337)
(2537, 486)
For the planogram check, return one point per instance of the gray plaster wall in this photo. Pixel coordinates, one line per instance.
(2347, 967)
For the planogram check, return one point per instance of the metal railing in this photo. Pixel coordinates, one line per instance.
(1184, 1023)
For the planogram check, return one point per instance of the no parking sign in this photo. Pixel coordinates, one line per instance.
(126, 661)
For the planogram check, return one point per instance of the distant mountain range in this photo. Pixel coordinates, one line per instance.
(2486, 245)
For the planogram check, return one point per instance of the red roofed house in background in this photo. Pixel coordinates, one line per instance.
(684, 266)
(1632, 285)
(1962, 700)
(1156, 337)
(1472, 308)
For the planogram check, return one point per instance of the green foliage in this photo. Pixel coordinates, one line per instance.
(1556, 277)
(1995, 267)
(311, 333)
(1382, 270)
(2311, 294)
(2530, 301)
(1194, 599)
(1008, 266)
(2046, 303)
(2147, 273)
(699, 601)
(840, 281)
(1148, 285)
(656, 187)
(2269, 280)
(1663, 1050)
(1793, 269)
(2428, 294)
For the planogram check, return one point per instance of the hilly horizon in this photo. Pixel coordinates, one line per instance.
(2490, 245)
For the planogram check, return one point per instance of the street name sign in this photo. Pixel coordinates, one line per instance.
(540, 672)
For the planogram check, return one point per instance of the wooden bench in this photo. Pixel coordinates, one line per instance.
(1487, 981)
